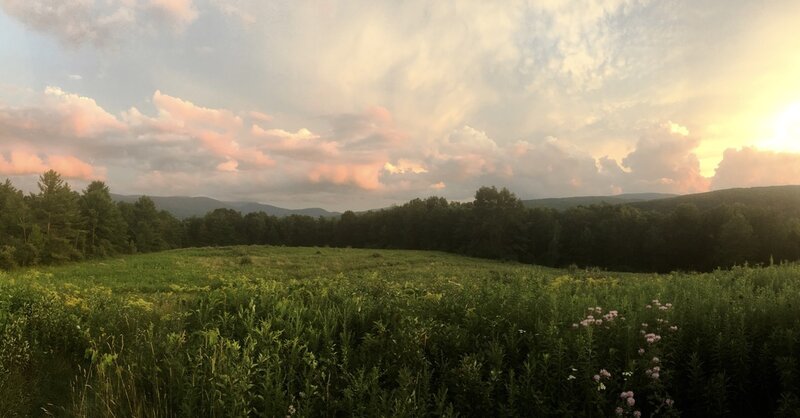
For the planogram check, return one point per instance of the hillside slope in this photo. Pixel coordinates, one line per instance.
(773, 197)
(563, 203)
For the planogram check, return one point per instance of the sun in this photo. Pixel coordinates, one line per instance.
(786, 135)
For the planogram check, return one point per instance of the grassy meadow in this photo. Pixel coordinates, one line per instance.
(277, 332)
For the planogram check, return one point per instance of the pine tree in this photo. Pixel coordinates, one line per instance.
(106, 230)
(57, 215)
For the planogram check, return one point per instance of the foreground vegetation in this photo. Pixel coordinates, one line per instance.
(272, 331)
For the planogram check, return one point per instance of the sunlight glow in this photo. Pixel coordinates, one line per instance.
(787, 131)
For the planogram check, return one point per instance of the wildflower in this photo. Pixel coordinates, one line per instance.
(644, 324)
(669, 402)
(598, 322)
(652, 338)
(637, 414)
(648, 306)
(626, 395)
(619, 411)
(663, 308)
(631, 401)
(596, 378)
(655, 302)
(291, 410)
(571, 377)
(656, 360)
(575, 325)
(605, 374)
(668, 305)
(641, 331)
(654, 376)
(641, 351)
(598, 309)
(673, 328)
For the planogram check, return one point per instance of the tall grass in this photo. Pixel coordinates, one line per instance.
(301, 332)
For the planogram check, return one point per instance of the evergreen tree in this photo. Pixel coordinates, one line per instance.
(106, 230)
(57, 215)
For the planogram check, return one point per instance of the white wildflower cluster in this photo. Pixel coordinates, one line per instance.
(628, 403)
(652, 338)
(602, 375)
(653, 372)
(595, 316)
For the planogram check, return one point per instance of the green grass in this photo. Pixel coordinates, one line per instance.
(273, 331)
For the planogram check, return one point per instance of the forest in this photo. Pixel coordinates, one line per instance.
(59, 224)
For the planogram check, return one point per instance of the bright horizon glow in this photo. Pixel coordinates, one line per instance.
(787, 131)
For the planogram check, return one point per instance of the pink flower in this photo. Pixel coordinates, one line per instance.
(605, 374)
(631, 401)
(626, 395)
(654, 376)
(637, 414)
(596, 378)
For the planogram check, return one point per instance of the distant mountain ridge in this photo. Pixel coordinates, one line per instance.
(563, 203)
(185, 207)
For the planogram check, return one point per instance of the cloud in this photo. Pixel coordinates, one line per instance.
(99, 23)
(664, 161)
(363, 176)
(179, 13)
(181, 147)
(748, 167)
(25, 163)
(74, 22)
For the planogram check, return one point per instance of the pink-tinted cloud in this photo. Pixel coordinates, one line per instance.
(25, 163)
(363, 176)
(21, 162)
(80, 116)
(664, 161)
(71, 167)
(189, 115)
(179, 13)
(749, 167)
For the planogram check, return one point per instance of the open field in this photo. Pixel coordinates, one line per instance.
(273, 331)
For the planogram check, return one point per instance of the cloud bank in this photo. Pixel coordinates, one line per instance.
(182, 147)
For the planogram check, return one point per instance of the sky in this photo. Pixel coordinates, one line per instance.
(365, 104)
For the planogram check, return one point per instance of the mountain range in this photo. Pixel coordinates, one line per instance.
(779, 197)
(185, 207)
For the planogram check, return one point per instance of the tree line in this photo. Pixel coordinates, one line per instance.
(58, 224)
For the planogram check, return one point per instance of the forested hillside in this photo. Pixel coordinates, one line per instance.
(58, 224)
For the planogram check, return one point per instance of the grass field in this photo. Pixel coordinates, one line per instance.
(272, 331)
